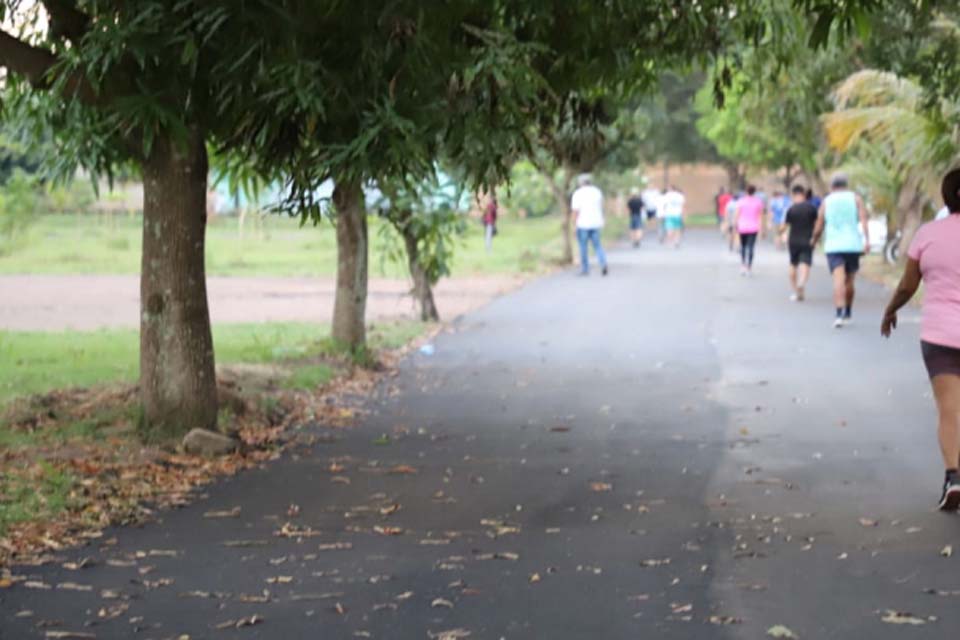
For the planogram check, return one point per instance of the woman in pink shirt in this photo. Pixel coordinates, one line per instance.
(749, 221)
(934, 259)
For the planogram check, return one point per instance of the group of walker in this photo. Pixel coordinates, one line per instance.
(840, 219)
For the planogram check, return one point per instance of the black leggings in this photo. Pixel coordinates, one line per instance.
(747, 243)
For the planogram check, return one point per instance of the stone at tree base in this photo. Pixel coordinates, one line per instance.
(208, 443)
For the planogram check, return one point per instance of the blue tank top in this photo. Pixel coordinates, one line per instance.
(842, 223)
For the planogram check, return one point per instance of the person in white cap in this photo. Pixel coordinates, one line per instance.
(587, 207)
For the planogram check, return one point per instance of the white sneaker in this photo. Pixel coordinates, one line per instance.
(838, 323)
(794, 297)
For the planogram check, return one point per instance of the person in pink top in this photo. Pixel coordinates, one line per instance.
(933, 258)
(749, 222)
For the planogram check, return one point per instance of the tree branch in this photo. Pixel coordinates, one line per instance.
(66, 21)
(23, 59)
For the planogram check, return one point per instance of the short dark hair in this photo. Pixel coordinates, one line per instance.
(751, 189)
(950, 190)
(799, 189)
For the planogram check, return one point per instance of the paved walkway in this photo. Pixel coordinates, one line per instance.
(83, 302)
(650, 455)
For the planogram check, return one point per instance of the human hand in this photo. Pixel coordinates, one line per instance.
(889, 323)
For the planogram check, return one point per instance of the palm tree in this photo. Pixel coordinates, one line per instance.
(881, 113)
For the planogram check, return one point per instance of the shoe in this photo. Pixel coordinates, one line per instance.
(847, 321)
(801, 295)
(950, 501)
(838, 323)
(743, 272)
(605, 271)
(794, 297)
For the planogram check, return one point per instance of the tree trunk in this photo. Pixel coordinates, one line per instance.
(561, 195)
(666, 175)
(911, 203)
(178, 385)
(350, 304)
(422, 287)
(788, 177)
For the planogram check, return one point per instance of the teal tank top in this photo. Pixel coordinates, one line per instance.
(842, 223)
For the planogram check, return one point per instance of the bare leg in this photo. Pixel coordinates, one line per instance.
(946, 390)
(849, 290)
(839, 287)
(793, 280)
(803, 274)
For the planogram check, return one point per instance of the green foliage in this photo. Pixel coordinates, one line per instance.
(19, 199)
(44, 495)
(528, 190)
(432, 213)
(309, 377)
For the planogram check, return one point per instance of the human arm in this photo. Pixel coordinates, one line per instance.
(908, 286)
(864, 223)
(818, 227)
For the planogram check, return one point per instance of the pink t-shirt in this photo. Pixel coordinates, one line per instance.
(937, 248)
(749, 210)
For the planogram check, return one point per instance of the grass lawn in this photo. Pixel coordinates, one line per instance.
(42, 361)
(267, 245)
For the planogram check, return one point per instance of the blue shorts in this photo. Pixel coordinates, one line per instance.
(673, 223)
(636, 221)
(849, 261)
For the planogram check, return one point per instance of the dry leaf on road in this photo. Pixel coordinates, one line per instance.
(899, 617)
(780, 631)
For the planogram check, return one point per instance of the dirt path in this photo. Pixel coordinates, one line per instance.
(83, 302)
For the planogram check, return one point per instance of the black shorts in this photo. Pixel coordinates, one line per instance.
(939, 359)
(849, 261)
(636, 221)
(651, 214)
(801, 254)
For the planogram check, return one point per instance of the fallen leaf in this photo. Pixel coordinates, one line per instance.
(440, 602)
(246, 543)
(721, 620)
(947, 551)
(535, 578)
(867, 522)
(406, 595)
(402, 469)
(335, 546)
(899, 617)
(449, 634)
(601, 486)
(339, 608)
(68, 635)
(248, 621)
(226, 513)
(387, 531)
(293, 510)
(654, 562)
(780, 631)
(280, 580)
(681, 608)
(73, 586)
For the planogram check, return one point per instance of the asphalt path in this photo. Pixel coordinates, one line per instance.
(669, 452)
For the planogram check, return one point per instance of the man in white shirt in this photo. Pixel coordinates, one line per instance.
(587, 207)
(673, 209)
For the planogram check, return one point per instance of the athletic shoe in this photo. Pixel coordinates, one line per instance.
(951, 496)
(794, 297)
(801, 295)
(604, 272)
(838, 323)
